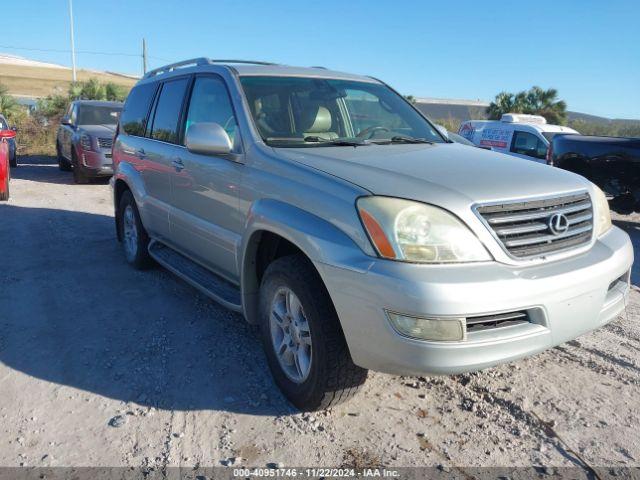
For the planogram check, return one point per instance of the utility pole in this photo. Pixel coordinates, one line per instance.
(73, 46)
(144, 56)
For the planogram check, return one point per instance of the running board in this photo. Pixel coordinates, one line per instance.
(210, 284)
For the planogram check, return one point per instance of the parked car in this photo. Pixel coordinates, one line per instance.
(327, 210)
(85, 138)
(11, 140)
(5, 164)
(454, 137)
(520, 135)
(612, 163)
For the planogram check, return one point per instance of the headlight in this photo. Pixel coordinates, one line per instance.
(415, 232)
(601, 212)
(85, 142)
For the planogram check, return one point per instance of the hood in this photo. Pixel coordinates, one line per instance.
(99, 130)
(439, 172)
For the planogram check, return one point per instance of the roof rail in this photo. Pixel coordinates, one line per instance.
(197, 62)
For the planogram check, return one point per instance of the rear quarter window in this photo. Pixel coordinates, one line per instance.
(134, 116)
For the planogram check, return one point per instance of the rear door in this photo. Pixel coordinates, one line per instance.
(205, 220)
(159, 148)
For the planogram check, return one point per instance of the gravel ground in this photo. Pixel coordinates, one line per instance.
(101, 365)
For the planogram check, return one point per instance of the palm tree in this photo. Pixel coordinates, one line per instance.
(536, 101)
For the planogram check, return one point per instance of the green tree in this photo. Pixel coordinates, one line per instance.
(410, 98)
(535, 101)
(9, 106)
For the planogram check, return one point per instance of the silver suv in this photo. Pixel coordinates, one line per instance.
(85, 138)
(326, 209)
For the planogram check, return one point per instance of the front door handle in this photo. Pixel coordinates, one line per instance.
(141, 154)
(177, 164)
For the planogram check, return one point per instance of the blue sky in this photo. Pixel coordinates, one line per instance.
(588, 50)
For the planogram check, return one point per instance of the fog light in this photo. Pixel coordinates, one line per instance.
(438, 329)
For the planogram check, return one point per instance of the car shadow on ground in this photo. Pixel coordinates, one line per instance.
(44, 168)
(74, 313)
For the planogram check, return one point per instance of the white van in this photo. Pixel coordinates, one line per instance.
(525, 136)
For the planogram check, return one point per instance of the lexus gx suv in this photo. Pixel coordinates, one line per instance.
(326, 209)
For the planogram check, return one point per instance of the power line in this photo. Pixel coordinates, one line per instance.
(87, 52)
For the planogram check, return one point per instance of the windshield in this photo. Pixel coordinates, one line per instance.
(94, 115)
(299, 111)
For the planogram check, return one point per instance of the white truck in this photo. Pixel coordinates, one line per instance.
(517, 134)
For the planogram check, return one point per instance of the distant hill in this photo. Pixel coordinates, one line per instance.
(460, 110)
(28, 78)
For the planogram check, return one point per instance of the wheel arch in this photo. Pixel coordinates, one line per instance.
(275, 229)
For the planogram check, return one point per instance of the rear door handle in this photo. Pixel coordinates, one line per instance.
(177, 164)
(140, 153)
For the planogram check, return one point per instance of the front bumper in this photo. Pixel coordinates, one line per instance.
(96, 164)
(566, 298)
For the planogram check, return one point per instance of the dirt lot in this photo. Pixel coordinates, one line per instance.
(104, 365)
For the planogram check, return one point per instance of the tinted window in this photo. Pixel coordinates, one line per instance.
(210, 103)
(167, 114)
(134, 115)
(528, 144)
(97, 115)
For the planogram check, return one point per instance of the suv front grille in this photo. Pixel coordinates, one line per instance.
(541, 227)
(497, 320)
(105, 142)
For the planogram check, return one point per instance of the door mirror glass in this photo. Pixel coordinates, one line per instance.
(66, 120)
(207, 138)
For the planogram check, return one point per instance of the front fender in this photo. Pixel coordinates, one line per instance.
(321, 241)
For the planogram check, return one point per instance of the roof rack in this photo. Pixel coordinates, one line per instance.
(198, 62)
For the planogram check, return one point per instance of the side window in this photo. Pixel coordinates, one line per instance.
(168, 108)
(3, 123)
(134, 116)
(526, 143)
(210, 102)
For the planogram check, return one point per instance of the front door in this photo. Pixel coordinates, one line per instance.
(205, 219)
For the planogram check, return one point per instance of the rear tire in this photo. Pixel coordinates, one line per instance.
(134, 238)
(13, 162)
(311, 331)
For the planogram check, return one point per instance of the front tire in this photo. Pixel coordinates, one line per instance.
(302, 337)
(4, 196)
(79, 176)
(134, 238)
(63, 163)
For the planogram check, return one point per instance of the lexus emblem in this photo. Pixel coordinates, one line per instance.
(558, 223)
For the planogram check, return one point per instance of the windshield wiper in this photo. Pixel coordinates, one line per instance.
(337, 142)
(407, 139)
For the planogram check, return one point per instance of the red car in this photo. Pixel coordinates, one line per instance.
(5, 174)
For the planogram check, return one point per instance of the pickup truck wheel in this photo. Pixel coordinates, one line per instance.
(63, 163)
(301, 334)
(135, 241)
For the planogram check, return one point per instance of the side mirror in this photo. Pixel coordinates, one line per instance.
(15, 129)
(443, 131)
(65, 120)
(207, 139)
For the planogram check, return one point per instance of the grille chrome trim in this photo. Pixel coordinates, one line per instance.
(104, 142)
(522, 227)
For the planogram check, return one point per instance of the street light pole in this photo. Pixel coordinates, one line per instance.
(73, 46)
